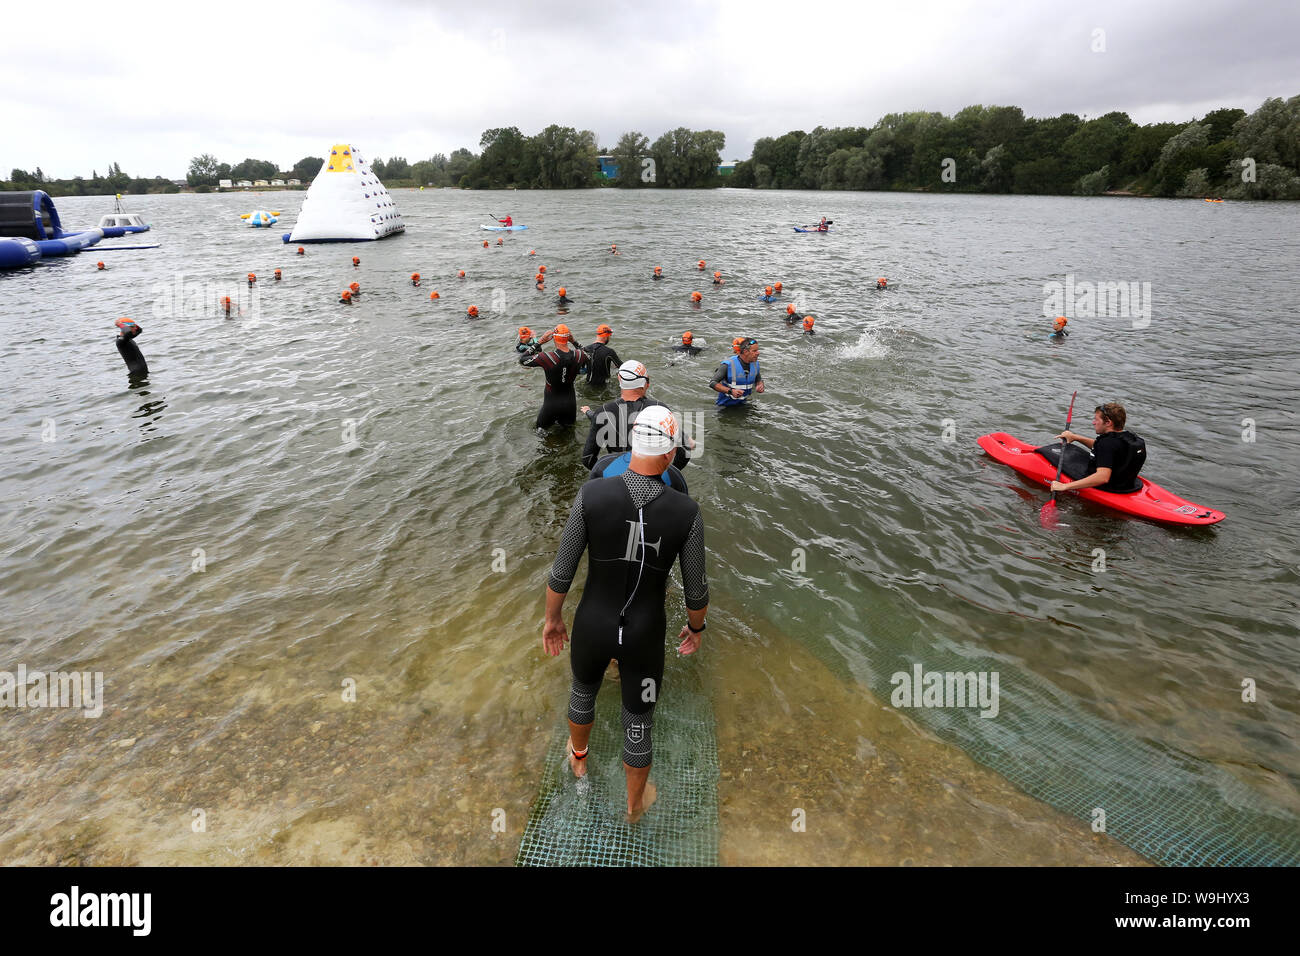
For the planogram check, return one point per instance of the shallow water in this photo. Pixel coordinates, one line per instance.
(348, 474)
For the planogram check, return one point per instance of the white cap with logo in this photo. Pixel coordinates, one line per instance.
(654, 432)
(632, 374)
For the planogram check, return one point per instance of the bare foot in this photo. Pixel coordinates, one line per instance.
(579, 767)
(647, 798)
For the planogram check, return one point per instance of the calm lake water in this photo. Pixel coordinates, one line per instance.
(307, 498)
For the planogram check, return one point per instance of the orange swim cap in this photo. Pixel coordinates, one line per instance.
(696, 296)
(778, 287)
(472, 310)
(659, 268)
(532, 252)
(735, 344)
(808, 321)
(485, 243)
(1060, 322)
(355, 261)
(562, 291)
(561, 333)
(789, 309)
(461, 273)
(687, 338)
(604, 329)
(525, 333)
(355, 286)
(767, 289)
(717, 275)
(434, 294)
(701, 263)
(541, 269)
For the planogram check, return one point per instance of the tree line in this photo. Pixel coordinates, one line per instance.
(113, 181)
(991, 149)
(997, 149)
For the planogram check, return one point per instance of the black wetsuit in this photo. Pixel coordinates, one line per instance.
(559, 404)
(601, 359)
(131, 355)
(1124, 454)
(633, 527)
(611, 430)
(792, 317)
(612, 465)
(689, 349)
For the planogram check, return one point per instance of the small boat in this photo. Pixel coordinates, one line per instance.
(120, 222)
(503, 228)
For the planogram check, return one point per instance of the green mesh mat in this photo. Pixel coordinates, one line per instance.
(583, 822)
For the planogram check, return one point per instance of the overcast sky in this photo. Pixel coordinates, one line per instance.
(150, 85)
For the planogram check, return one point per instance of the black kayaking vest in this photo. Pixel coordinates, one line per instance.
(1130, 456)
(616, 557)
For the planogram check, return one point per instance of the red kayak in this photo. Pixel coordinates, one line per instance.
(1150, 501)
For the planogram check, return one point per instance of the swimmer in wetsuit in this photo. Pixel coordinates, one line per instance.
(611, 424)
(612, 465)
(601, 358)
(634, 528)
(1059, 332)
(658, 273)
(559, 404)
(686, 345)
(1118, 455)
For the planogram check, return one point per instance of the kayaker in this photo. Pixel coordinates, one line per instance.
(686, 345)
(507, 222)
(739, 375)
(1118, 455)
(601, 359)
(559, 405)
(821, 226)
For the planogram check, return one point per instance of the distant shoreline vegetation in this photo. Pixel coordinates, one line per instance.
(982, 149)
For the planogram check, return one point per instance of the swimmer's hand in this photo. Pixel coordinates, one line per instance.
(554, 636)
(690, 641)
(586, 409)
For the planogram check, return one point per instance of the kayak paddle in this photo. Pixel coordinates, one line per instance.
(1047, 516)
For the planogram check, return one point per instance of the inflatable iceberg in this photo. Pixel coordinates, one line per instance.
(260, 217)
(346, 203)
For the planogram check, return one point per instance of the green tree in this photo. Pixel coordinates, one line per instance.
(779, 158)
(631, 149)
(305, 169)
(1183, 152)
(1093, 184)
(203, 170)
(1271, 134)
(566, 158)
(1196, 185)
(398, 168)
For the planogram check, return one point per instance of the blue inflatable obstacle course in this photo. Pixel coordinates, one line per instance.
(30, 229)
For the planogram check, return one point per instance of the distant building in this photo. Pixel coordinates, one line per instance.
(295, 182)
(244, 183)
(261, 182)
(726, 169)
(608, 168)
(277, 182)
(224, 184)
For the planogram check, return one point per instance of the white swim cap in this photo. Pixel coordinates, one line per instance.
(654, 432)
(632, 374)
